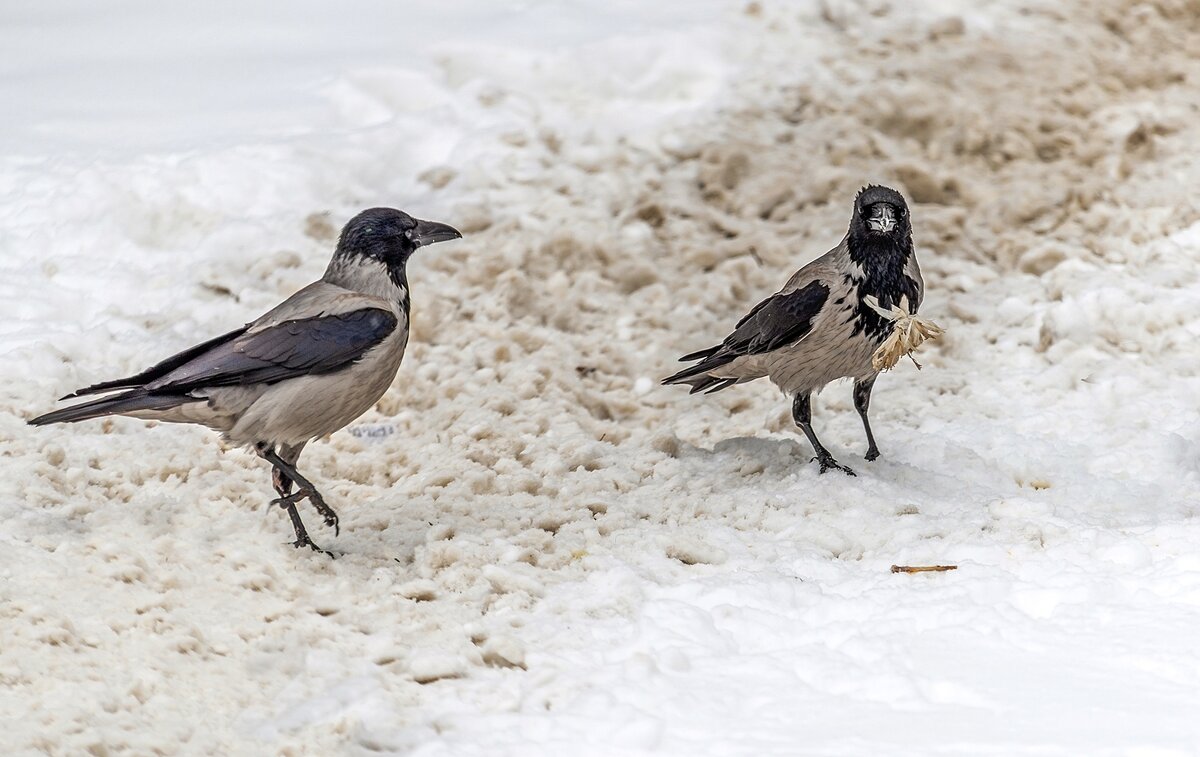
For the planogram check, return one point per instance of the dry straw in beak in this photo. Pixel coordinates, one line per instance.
(909, 331)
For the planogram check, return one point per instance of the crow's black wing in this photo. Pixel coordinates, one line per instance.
(160, 369)
(777, 321)
(286, 350)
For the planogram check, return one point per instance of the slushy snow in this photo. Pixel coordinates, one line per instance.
(543, 551)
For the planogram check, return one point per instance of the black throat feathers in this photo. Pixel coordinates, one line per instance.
(883, 261)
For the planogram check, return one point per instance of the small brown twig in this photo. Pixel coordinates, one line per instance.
(922, 568)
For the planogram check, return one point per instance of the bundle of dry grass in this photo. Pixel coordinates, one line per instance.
(909, 331)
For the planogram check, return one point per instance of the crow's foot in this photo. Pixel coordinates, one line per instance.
(318, 502)
(324, 510)
(826, 462)
(304, 541)
(288, 503)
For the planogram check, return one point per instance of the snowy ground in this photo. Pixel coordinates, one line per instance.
(543, 551)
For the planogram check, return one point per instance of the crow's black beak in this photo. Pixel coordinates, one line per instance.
(432, 232)
(883, 218)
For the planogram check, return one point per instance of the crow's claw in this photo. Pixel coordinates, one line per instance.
(826, 462)
(318, 503)
(306, 542)
(325, 511)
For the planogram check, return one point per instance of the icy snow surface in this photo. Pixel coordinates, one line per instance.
(543, 552)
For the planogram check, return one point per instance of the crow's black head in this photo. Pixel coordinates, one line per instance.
(880, 213)
(389, 236)
(880, 229)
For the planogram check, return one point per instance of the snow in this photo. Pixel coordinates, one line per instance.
(543, 551)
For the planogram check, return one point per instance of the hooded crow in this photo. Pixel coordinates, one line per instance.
(820, 326)
(305, 369)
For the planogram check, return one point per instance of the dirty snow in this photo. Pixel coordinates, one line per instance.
(542, 550)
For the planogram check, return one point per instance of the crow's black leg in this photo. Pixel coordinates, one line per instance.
(282, 475)
(281, 482)
(286, 465)
(287, 500)
(862, 401)
(288, 503)
(802, 414)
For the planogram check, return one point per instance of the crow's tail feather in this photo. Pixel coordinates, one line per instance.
(710, 360)
(126, 402)
(698, 375)
(700, 354)
(704, 383)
